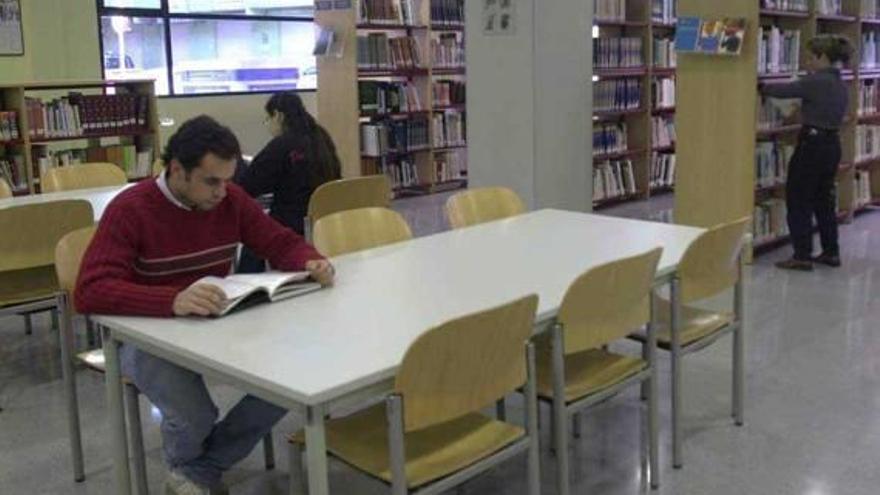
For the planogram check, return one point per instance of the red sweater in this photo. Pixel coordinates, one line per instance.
(146, 249)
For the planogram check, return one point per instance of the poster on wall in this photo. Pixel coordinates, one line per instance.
(499, 17)
(11, 37)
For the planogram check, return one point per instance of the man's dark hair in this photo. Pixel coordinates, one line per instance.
(837, 48)
(196, 138)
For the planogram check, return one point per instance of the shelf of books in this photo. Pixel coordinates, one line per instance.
(394, 98)
(59, 124)
(633, 100)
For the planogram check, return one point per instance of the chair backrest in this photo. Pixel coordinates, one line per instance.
(82, 176)
(356, 230)
(711, 263)
(482, 205)
(158, 168)
(68, 257)
(349, 194)
(5, 189)
(31, 232)
(466, 364)
(608, 302)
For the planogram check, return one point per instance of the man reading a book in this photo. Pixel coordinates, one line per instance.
(154, 241)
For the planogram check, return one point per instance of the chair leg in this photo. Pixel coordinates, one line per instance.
(28, 324)
(531, 423)
(68, 371)
(738, 376)
(501, 410)
(136, 434)
(676, 377)
(90, 333)
(577, 424)
(645, 355)
(298, 483)
(269, 451)
(653, 410)
(560, 415)
(54, 314)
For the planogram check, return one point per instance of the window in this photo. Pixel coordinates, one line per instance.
(210, 46)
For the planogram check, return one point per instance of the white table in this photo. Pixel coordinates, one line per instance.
(98, 197)
(344, 344)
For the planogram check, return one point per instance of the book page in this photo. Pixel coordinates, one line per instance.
(234, 289)
(271, 281)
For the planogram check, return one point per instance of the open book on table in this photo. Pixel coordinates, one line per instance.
(245, 290)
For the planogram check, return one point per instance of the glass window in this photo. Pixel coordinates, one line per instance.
(275, 8)
(134, 4)
(134, 48)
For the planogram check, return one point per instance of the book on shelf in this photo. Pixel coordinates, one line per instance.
(380, 97)
(663, 11)
(394, 136)
(870, 9)
(12, 169)
(774, 113)
(662, 169)
(862, 188)
(687, 34)
(78, 115)
(135, 163)
(386, 12)
(612, 95)
(450, 166)
(447, 12)
(246, 290)
(613, 179)
(771, 162)
(770, 220)
(448, 92)
(786, 5)
(869, 97)
(609, 138)
(867, 142)
(663, 92)
(9, 126)
(401, 171)
(613, 53)
(778, 50)
(447, 50)
(664, 53)
(710, 36)
(663, 130)
(378, 51)
(449, 128)
(870, 50)
(609, 10)
(829, 7)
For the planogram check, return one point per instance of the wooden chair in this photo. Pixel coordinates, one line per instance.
(483, 205)
(347, 194)
(5, 189)
(711, 265)
(158, 168)
(68, 259)
(430, 436)
(356, 230)
(575, 368)
(82, 176)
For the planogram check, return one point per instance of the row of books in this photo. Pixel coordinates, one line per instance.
(386, 12)
(9, 126)
(449, 128)
(870, 9)
(662, 170)
(137, 163)
(663, 92)
(663, 11)
(862, 196)
(663, 130)
(664, 53)
(779, 50)
(869, 97)
(609, 138)
(770, 114)
(613, 179)
(867, 142)
(77, 115)
(609, 10)
(394, 136)
(379, 51)
(786, 5)
(449, 92)
(771, 163)
(379, 97)
(447, 50)
(829, 7)
(617, 94)
(770, 220)
(450, 166)
(12, 170)
(401, 171)
(447, 12)
(609, 53)
(870, 50)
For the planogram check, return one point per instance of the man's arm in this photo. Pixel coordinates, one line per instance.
(794, 89)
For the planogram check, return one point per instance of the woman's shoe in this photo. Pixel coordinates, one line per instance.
(793, 264)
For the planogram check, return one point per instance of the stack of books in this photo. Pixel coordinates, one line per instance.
(447, 51)
(617, 95)
(613, 53)
(447, 12)
(378, 51)
(386, 12)
(778, 51)
(378, 97)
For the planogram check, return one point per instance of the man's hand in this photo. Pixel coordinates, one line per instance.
(201, 300)
(321, 270)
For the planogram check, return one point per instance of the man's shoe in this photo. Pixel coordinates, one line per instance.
(178, 484)
(828, 260)
(798, 265)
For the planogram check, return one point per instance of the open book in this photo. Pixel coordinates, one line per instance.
(245, 290)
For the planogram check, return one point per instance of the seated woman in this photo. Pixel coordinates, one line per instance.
(300, 157)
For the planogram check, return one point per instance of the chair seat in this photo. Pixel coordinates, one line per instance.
(696, 323)
(586, 373)
(27, 286)
(361, 440)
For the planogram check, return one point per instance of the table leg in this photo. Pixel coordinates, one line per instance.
(113, 380)
(316, 451)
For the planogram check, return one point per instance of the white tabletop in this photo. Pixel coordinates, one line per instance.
(98, 197)
(322, 346)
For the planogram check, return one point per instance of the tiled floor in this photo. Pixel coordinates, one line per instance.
(813, 410)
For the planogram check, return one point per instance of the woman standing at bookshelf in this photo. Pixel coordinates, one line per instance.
(809, 188)
(300, 157)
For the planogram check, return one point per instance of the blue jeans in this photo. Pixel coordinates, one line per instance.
(194, 443)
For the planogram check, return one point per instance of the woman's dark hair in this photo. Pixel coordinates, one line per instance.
(196, 138)
(319, 150)
(837, 48)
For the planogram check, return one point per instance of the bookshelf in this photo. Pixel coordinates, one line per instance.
(394, 99)
(748, 149)
(62, 123)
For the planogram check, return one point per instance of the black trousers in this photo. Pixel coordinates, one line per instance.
(809, 192)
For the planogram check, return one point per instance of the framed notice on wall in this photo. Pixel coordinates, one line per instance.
(11, 36)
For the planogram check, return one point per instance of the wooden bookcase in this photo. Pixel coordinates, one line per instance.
(338, 94)
(13, 98)
(718, 118)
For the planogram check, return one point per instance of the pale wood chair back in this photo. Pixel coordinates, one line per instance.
(82, 176)
(608, 302)
(36, 229)
(356, 230)
(158, 168)
(710, 265)
(5, 189)
(466, 364)
(68, 257)
(482, 205)
(349, 194)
